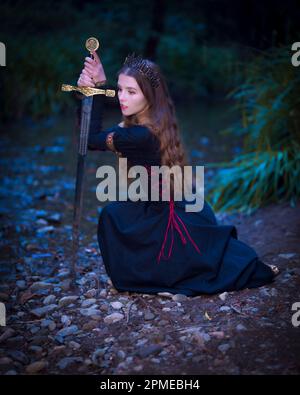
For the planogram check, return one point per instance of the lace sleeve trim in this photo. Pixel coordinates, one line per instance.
(110, 143)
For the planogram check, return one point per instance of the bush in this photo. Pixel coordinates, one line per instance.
(269, 168)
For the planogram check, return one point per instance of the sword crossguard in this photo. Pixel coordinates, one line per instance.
(87, 91)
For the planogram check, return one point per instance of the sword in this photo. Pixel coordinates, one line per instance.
(91, 44)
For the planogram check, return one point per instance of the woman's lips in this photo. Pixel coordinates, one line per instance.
(124, 107)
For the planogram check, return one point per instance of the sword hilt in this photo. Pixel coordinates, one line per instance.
(87, 91)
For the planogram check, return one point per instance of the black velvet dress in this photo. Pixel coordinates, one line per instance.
(135, 238)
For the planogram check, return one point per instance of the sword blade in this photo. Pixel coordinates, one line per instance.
(87, 104)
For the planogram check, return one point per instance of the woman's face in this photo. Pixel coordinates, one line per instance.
(131, 98)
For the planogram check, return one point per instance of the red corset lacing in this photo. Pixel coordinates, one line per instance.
(173, 223)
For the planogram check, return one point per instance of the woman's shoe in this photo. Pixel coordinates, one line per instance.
(274, 269)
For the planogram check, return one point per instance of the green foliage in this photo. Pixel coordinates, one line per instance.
(269, 169)
(45, 48)
(199, 70)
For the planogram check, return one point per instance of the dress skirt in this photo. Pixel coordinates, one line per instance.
(135, 239)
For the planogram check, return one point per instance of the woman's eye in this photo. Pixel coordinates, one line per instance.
(130, 92)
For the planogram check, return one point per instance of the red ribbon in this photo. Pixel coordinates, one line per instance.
(173, 224)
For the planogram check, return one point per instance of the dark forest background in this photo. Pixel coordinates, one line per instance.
(202, 46)
(210, 49)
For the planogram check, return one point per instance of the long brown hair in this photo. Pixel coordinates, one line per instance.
(159, 116)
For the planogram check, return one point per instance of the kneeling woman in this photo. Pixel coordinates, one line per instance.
(202, 257)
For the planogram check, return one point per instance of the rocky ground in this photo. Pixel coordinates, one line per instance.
(93, 329)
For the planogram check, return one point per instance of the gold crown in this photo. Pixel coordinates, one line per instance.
(139, 64)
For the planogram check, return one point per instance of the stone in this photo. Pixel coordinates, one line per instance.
(223, 296)
(141, 342)
(88, 362)
(114, 317)
(274, 292)
(5, 361)
(218, 362)
(138, 368)
(165, 294)
(179, 298)
(41, 311)
(74, 345)
(41, 221)
(18, 356)
(149, 316)
(65, 285)
(45, 323)
(88, 302)
(16, 341)
(287, 256)
(98, 355)
(163, 322)
(4, 297)
(39, 340)
(50, 299)
(34, 329)
(88, 326)
(64, 273)
(104, 307)
(121, 354)
(70, 330)
(240, 328)
(116, 305)
(258, 222)
(11, 372)
(91, 293)
(264, 292)
(65, 320)
(54, 218)
(56, 350)
(224, 347)
(21, 284)
(46, 229)
(40, 285)
(90, 312)
(225, 308)
(198, 359)
(59, 339)
(36, 367)
(144, 352)
(82, 369)
(36, 349)
(217, 334)
(67, 361)
(103, 293)
(9, 332)
(67, 300)
(199, 338)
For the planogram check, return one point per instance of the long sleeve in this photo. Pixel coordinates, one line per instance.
(127, 141)
(96, 123)
(124, 140)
